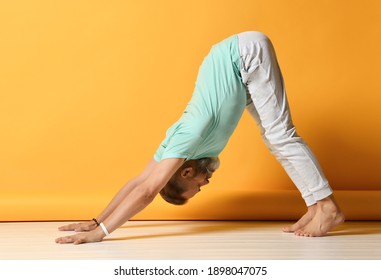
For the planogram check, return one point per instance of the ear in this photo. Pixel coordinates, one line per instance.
(187, 172)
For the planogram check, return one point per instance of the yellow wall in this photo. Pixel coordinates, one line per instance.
(88, 89)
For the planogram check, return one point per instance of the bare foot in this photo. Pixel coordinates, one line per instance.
(328, 215)
(303, 221)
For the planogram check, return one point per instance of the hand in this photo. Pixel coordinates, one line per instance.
(78, 227)
(96, 235)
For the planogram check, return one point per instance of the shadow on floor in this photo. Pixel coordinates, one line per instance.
(155, 224)
(348, 228)
(192, 230)
(351, 228)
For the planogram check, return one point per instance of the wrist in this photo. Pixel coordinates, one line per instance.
(96, 222)
(104, 229)
(99, 233)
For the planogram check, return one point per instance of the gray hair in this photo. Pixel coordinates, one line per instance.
(207, 165)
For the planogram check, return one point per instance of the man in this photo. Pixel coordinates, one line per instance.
(241, 71)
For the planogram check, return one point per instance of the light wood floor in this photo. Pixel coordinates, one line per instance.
(193, 240)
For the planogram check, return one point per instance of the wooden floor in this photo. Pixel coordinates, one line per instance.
(193, 240)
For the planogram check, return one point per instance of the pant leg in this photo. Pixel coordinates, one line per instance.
(269, 107)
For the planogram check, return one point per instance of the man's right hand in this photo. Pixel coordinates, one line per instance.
(78, 227)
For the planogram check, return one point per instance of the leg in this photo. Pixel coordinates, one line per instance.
(262, 76)
(306, 194)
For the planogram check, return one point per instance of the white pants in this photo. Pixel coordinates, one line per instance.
(267, 103)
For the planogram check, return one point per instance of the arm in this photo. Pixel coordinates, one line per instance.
(118, 198)
(133, 203)
(126, 190)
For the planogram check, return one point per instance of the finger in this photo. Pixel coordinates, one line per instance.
(81, 228)
(65, 239)
(79, 241)
(59, 240)
(65, 227)
(68, 227)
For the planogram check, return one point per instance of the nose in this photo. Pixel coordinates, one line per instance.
(205, 182)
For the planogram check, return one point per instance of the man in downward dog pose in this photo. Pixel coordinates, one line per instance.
(239, 72)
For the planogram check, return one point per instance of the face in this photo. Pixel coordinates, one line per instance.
(195, 183)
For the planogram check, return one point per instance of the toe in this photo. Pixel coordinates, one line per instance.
(287, 229)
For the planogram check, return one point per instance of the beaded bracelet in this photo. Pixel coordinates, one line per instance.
(95, 220)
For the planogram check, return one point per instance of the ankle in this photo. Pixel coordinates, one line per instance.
(311, 210)
(328, 204)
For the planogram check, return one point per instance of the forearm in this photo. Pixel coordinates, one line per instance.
(118, 198)
(126, 190)
(132, 204)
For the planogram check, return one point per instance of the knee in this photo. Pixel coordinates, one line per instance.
(278, 140)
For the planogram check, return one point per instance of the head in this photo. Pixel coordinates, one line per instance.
(188, 180)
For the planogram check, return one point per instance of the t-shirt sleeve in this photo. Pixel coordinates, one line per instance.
(182, 140)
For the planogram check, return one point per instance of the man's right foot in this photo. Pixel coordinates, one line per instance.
(328, 216)
(303, 221)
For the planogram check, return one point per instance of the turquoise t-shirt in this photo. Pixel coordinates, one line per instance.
(217, 104)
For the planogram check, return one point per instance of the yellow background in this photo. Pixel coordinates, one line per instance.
(88, 89)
